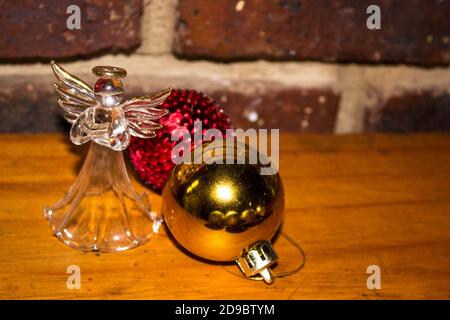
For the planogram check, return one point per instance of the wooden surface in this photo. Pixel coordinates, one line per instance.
(351, 202)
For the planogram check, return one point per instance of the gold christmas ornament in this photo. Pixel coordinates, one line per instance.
(225, 212)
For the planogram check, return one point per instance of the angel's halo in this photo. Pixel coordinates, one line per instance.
(109, 72)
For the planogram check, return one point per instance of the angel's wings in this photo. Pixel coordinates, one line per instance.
(143, 113)
(75, 96)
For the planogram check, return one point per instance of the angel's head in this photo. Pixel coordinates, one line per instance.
(109, 89)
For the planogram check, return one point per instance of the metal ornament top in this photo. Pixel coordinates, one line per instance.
(99, 115)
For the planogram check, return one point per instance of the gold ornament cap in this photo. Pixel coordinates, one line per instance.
(258, 259)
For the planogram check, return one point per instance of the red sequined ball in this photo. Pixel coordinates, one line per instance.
(151, 158)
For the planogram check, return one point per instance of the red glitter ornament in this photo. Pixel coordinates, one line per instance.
(151, 158)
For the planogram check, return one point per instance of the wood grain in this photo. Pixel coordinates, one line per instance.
(351, 201)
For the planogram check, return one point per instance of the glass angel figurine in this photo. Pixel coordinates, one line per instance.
(101, 211)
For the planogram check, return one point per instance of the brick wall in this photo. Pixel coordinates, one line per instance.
(297, 65)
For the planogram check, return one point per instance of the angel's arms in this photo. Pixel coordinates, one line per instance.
(75, 95)
(143, 114)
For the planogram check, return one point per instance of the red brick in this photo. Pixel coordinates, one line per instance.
(37, 29)
(294, 110)
(411, 112)
(29, 106)
(414, 31)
